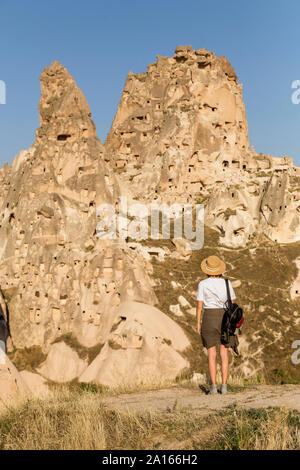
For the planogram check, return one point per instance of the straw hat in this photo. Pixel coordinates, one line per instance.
(213, 265)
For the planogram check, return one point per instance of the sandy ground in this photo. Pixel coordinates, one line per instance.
(177, 398)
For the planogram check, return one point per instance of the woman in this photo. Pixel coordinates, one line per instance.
(212, 296)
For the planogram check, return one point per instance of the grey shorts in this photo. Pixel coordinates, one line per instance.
(211, 327)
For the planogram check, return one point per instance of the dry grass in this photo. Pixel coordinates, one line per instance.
(73, 420)
(260, 429)
(236, 381)
(83, 352)
(27, 358)
(146, 385)
(81, 421)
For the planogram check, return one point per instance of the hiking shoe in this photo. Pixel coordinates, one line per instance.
(223, 389)
(213, 390)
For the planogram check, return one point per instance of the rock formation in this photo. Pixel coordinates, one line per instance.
(143, 351)
(37, 385)
(12, 384)
(180, 135)
(62, 364)
(60, 277)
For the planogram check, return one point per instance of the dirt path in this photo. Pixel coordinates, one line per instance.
(259, 396)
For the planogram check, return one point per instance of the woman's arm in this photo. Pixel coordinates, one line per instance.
(199, 310)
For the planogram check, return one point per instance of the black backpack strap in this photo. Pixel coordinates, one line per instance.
(228, 293)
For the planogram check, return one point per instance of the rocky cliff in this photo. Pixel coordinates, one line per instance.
(87, 304)
(59, 277)
(180, 135)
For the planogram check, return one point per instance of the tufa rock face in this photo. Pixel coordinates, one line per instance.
(61, 278)
(179, 120)
(62, 364)
(180, 135)
(64, 111)
(142, 332)
(12, 384)
(36, 384)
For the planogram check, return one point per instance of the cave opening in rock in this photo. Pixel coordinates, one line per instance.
(63, 137)
(180, 60)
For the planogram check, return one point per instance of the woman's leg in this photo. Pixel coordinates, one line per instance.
(212, 355)
(225, 363)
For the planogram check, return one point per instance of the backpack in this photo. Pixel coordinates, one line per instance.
(233, 318)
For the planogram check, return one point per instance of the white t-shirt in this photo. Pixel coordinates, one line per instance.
(212, 292)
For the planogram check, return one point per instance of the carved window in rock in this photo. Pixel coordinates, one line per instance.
(144, 136)
(238, 231)
(63, 137)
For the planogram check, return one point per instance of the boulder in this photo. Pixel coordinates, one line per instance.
(192, 311)
(12, 384)
(36, 384)
(144, 347)
(62, 364)
(183, 302)
(176, 310)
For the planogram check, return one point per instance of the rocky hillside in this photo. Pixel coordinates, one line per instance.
(116, 311)
(263, 276)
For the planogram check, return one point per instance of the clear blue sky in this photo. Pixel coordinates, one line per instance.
(100, 41)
